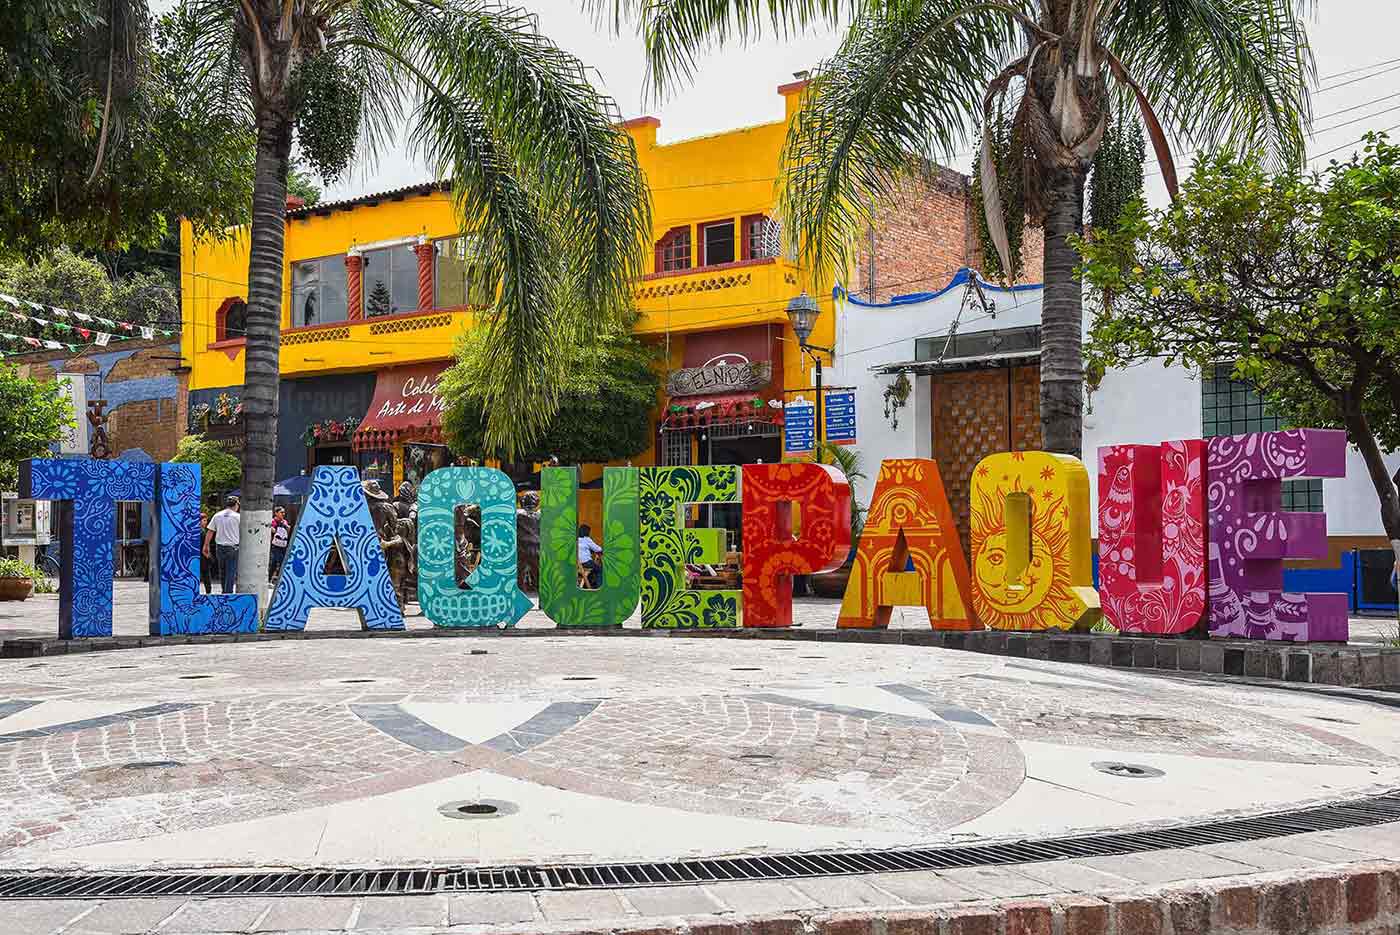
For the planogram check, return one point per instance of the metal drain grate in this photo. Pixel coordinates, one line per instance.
(1354, 814)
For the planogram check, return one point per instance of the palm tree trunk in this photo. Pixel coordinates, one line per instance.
(260, 375)
(1062, 319)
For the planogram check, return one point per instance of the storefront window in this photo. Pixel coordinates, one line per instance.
(319, 291)
(420, 460)
(378, 465)
(391, 280)
(459, 278)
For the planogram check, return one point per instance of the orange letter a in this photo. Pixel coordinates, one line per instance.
(909, 518)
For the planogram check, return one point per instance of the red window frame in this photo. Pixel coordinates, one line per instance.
(671, 256)
(753, 226)
(700, 237)
(221, 332)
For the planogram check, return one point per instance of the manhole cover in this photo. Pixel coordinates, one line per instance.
(152, 764)
(580, 678)
(1129, 770)
(469, 809)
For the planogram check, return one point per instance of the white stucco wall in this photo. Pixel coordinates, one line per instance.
(1143, 404)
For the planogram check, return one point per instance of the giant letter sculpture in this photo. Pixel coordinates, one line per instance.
(335, 513)
(87, 492)
(909, 518)
(177, 607)
(1152, 536)
(492, 596)
(615, 598)
(667, 546)
(771, 554)
(1031, 566)
(1250, 537)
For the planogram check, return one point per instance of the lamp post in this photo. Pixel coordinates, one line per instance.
(802, 313)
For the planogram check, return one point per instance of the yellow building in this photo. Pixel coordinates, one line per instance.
(377, 291)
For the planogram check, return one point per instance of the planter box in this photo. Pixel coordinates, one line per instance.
(16, 589)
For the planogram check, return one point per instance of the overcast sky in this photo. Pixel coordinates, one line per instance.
(737, 87)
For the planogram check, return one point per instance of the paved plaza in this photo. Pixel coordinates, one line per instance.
(359, 753)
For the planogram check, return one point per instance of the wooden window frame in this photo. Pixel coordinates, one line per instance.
(664, 244)
(745, 225)
(700, 241)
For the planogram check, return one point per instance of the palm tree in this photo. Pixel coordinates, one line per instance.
(912, 78)
(541, 176)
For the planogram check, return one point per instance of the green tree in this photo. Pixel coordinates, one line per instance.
(111, 128)
(219, 470)
(68, 280)
(605, 415)
(378, 302)
(541, 176)
(1294, 277)
(301, 183)
(33, 415)
(910, 80)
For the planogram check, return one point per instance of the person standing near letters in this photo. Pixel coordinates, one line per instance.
(223, 539)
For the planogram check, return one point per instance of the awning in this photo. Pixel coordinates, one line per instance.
(978, 362)
(406, 407)
(726, 409)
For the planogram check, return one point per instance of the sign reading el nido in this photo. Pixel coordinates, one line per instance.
(1188, 530)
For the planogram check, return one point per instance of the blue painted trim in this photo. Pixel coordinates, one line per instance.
(959, 278)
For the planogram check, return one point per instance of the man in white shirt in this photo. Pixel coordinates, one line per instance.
(223, 538)
(587, 552)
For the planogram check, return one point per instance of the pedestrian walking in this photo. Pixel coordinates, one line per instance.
(206, 564)
(281, 536)
(222, 539)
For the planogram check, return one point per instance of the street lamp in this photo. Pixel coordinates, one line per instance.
(802, 313)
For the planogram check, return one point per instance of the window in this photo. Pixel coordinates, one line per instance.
(1229, 407)
(760, 237)
(391, 280)
(459, 279)
(318, 291)
(673, 250)
(677, 449)
(232, 320)
(717, 243)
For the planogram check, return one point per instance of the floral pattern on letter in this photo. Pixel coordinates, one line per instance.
(1152, 536)
(560, 596)
(771, 555)
(1250, 537)
(667, 546)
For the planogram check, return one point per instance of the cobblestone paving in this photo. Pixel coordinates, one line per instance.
(881, 739)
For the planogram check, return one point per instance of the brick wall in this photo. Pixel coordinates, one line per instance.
(925, 234)
(150, 424)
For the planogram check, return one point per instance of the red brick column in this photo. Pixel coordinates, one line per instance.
(424, 250)
(354, 286)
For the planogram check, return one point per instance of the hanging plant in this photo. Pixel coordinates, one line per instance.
(329, 430)
(896, 398)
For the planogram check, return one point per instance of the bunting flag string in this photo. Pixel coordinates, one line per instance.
(119, 330)
(125, 328)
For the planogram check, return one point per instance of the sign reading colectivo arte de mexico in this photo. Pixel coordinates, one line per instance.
(1187, 530)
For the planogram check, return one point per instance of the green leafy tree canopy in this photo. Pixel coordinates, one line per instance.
(1293, 277)
(75, 282)
(605, 413)
(33, 415)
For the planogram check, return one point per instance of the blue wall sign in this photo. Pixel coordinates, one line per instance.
(799, 427)
(839, 410)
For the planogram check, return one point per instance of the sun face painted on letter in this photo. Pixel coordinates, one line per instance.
(1012, 590)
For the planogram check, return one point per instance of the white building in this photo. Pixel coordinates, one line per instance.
(969, 355)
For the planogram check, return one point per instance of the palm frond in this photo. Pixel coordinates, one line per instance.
(1221, 72)
(676, 32)
(902, 92)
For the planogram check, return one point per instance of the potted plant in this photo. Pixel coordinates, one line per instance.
(16, 580)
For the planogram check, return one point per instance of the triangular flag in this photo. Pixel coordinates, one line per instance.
(38, 307)
(18, 317)
(85, 333)
(125, 325)
(41, 322)
(72, 348)
(32, 342)
(60, 312)
(53, 345)
(62, 327)
(82, 316)
(9, 298)
(102, 338)
(106, 322)
(147, 332)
